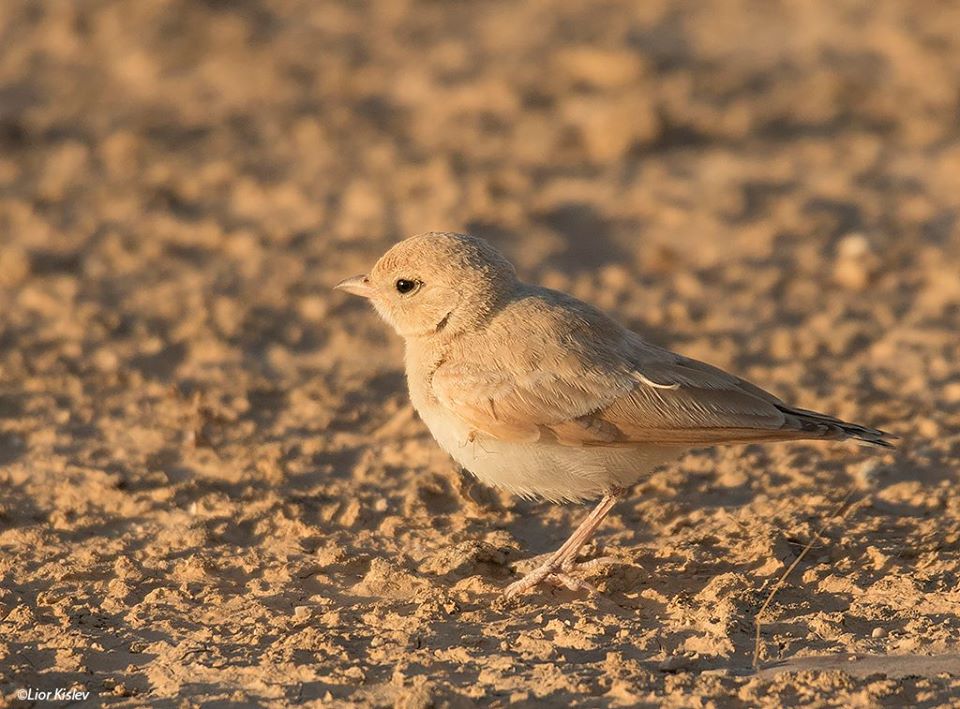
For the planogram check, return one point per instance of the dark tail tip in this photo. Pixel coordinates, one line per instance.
(824, 426)
(866, 435)
(878, 438)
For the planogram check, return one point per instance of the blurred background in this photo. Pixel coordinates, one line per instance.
(772, 186)
(211, 167)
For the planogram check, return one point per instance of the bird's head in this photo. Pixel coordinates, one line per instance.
(436, 283)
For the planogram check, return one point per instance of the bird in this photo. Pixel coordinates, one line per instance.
(545, 396)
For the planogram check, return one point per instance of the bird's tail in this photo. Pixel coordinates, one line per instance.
(828, 427)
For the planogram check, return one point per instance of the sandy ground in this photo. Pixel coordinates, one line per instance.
(212, 486)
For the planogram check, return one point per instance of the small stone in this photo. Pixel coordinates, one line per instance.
(853, 246)
(105, 360)
(855, 264)
(677, 663)
(868, 474)
(878, 633)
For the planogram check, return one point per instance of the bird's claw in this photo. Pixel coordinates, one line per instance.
(556, 574)
(592, 565)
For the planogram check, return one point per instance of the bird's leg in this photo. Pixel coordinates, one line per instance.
(561, 560)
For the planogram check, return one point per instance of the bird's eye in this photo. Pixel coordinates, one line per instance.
(405, 286)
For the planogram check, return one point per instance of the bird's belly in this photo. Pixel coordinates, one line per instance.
(543, 469)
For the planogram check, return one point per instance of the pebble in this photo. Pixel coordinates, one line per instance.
(677, 663)
(868, 474)
(105, 360)
(856, 263)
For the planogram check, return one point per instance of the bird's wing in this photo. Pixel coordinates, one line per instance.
(658, 397)
(566, 372)
(524, 405)
(553, 367)
(684, 401)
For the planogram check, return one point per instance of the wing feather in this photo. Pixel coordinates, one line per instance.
(582, 380)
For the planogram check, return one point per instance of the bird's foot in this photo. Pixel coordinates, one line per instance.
(558, 575)
(589, 566)
(545, 574)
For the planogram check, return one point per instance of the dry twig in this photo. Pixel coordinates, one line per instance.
(758, 620)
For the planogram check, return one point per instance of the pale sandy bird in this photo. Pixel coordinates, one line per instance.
(542, 395)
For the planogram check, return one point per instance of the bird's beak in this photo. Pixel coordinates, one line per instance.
(358, 285)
